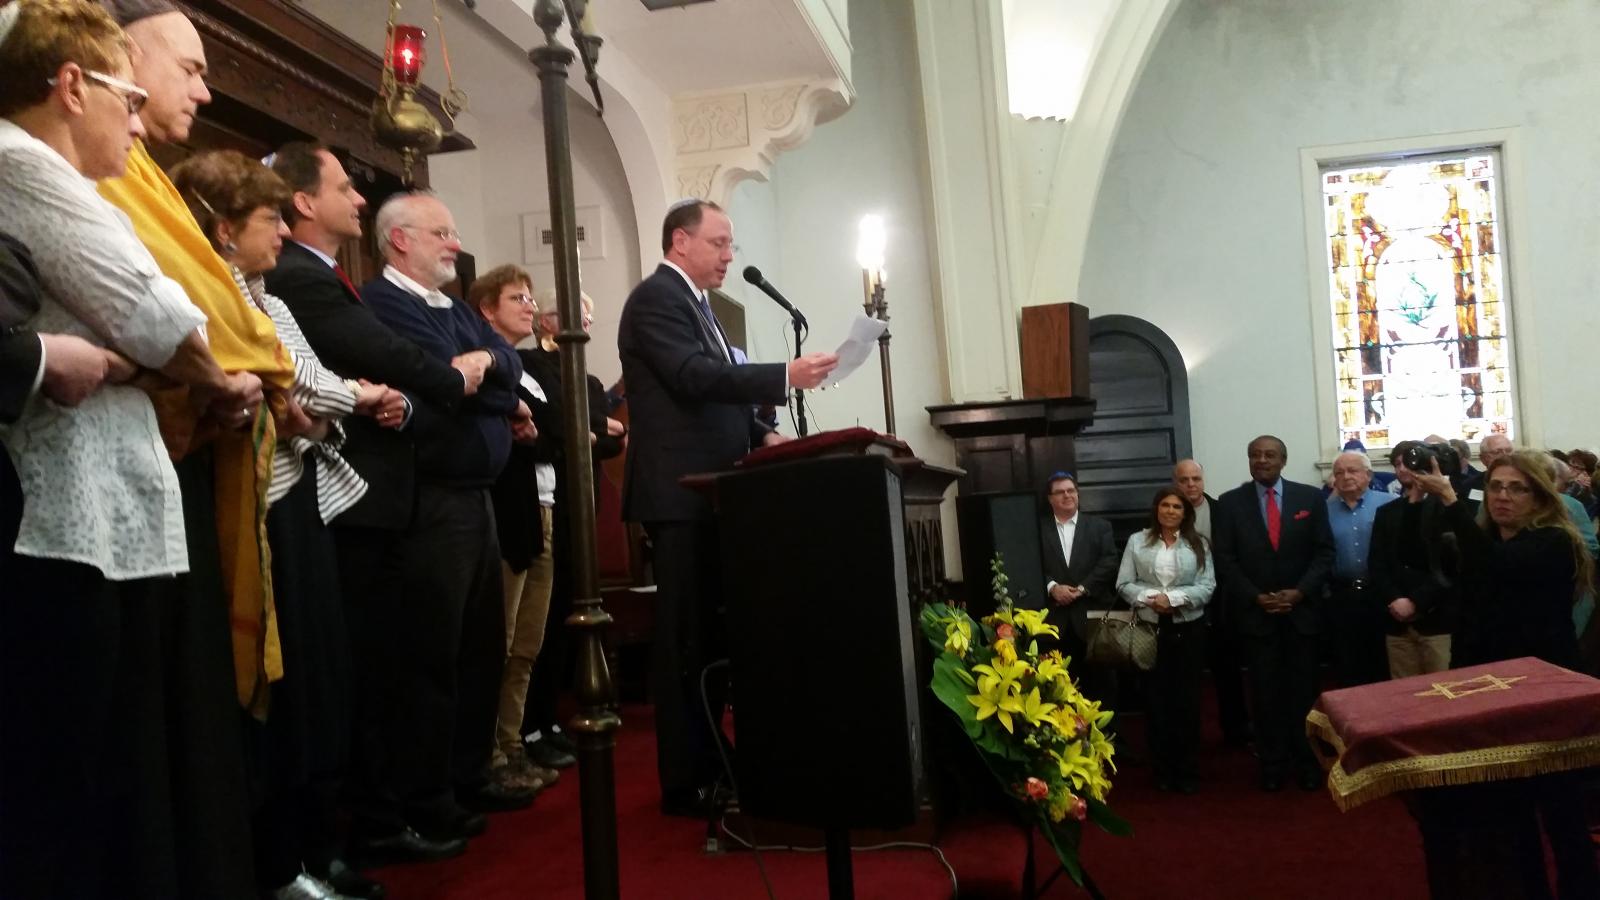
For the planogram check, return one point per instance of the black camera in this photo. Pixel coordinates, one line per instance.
(1420, 458)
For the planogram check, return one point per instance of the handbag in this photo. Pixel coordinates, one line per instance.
(1122, 640)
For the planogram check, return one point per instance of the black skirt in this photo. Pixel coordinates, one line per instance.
(306, 737)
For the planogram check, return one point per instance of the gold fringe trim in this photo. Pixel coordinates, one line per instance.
(1351, 789)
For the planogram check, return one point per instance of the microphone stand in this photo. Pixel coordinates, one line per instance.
(799, 395)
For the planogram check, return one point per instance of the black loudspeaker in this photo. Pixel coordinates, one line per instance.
(825, 694)
(1008, 524)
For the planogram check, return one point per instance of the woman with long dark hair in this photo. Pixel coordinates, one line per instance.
(1524, 566)
(1167, 576)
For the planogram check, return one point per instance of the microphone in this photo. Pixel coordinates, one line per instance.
(754, 276)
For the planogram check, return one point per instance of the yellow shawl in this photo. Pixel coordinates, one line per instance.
(242, 339)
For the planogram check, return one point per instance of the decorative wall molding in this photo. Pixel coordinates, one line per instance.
(724, 138)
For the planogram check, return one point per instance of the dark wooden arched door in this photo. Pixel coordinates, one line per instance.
(1141, 420)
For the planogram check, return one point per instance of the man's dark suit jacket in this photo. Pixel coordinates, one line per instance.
(1094, 565)
(20, 349)
(1400, 566)
(351, 341)
(691, 408)
(1247, 565)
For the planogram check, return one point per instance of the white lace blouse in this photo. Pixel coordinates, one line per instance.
(97, 486)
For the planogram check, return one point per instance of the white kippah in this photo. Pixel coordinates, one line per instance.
(8, 19)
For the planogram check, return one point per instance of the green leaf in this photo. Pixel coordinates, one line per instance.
(1109, 822)
(1064, 838)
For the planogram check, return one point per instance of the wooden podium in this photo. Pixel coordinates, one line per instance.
(829, 546)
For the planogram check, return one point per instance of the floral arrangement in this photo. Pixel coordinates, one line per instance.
(1043, 740)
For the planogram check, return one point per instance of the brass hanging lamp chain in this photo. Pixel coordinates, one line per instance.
(386, 84)
(454, 100)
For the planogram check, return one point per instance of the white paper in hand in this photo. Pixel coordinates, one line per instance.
(864, 334)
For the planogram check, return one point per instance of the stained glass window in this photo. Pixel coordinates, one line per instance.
(1416, 267)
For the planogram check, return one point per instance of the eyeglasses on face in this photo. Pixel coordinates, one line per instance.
(132, 95)
(1509, 488)
(444, 234)
(522, 300)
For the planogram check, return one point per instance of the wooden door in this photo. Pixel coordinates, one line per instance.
(1141, 420)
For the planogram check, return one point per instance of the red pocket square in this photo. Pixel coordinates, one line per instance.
(1302, 514)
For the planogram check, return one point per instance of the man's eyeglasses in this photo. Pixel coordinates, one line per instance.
(444, 234)
(132, 95)
(1509, 488)
(522, 299)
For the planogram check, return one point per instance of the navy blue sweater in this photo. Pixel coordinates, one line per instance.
(466, 447)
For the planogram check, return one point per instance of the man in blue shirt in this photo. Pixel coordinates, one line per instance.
(1358, 631)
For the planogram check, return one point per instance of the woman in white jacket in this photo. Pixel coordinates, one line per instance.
(1167, 576)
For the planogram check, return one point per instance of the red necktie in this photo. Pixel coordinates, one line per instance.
(1274, 522)
(339, 271)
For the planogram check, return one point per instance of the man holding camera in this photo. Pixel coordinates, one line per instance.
(1413, 565)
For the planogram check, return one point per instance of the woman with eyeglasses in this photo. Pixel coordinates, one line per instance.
(101, 752)
(1523, 568)
(1167, 576)
(305, 739)
(524, 512)
(1524, 565)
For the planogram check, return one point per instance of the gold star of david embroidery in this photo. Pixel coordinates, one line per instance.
(1452, 690)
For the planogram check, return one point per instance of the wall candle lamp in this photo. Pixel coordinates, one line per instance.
(870, 244)
(399, 121)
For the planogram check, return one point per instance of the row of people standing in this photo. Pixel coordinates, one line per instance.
(191, 490)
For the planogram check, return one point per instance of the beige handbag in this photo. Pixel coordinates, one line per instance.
(1122, 640)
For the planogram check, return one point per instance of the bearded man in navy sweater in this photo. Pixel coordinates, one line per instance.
(438, 661)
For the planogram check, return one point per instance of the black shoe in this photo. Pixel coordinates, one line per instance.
(457, 824)
(350, 883)
(546, 753)
(493, 796)
(560, 741)
(404, 846)
(1309, 781)
(1272, 783)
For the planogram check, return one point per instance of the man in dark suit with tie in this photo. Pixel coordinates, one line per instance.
(324, 213)
(1274, 551)
(692, 410)
(1080, 567)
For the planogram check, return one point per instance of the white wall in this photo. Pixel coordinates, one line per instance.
(1199, 225)
(800, 229)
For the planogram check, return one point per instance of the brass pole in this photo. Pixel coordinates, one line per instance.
(878, 308)
(596, 723)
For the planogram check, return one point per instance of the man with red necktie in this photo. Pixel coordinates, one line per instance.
(1274, 551)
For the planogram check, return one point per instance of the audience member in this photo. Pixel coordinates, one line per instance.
(1561, 477)
(1524, 565)
(229, 469)
(1080, 568)
(524, 512)
(1223, 653)
(1490, 450)
(305, 743)
(1355, 622)
(120, 769)
(546, 745)
(324, 214)
(1415, 566)
(438, 670)
(1274, 551)
(1167, 576)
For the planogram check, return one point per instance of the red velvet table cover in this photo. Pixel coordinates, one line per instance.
(828, 443)
(1511, 719)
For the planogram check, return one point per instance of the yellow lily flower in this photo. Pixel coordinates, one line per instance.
(958, 637)
(1006, 650)
(1033, 710)
(1032, 621)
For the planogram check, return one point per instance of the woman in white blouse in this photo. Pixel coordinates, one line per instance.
(1167, 576)
(95, 581)
(236, 201)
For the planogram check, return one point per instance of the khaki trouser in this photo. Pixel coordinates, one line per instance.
(1412, 653)
(527, 597)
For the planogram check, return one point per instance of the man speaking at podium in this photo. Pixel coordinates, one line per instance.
(692, 411)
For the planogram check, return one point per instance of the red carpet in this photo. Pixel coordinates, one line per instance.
(1230, 841)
